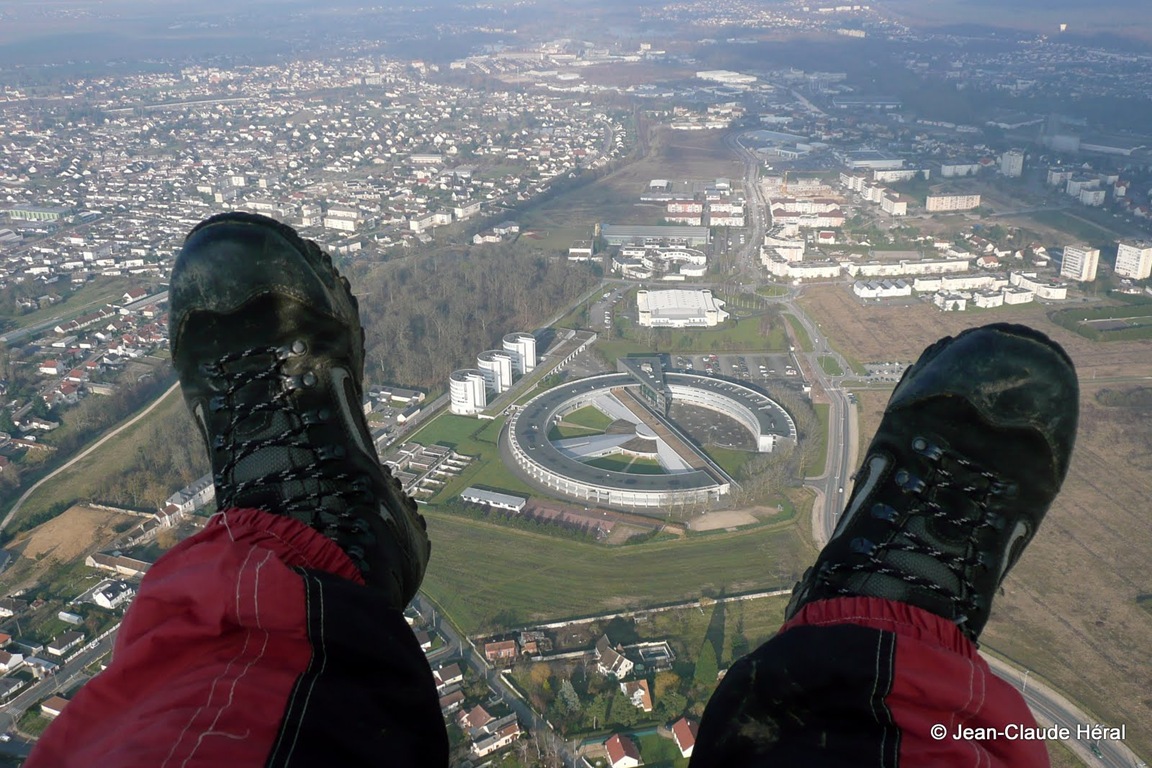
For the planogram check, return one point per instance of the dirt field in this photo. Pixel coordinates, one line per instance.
(879, 333)
(1069, 611)
(71, 536)
(675, 155)
(730, 518)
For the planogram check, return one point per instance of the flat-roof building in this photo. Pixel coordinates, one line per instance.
(468, 392)
(522, 347)
(1080, 263)
(497, 367)
(622, 234)
(493, 499)
(951, 202)
(1134, 260)
(679, 309)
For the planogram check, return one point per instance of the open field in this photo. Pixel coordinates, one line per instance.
(70, 536)
(615, 199)
(878, 333)
(82, 480)
(478, 571)
(1070, 611)
(743, 335)
(1122, 323)
(96, 294)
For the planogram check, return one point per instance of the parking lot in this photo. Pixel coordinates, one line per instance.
(601, 312)
(760, 368)
(709, 427)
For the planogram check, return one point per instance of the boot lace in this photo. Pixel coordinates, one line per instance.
(956, 477)
(327, 491)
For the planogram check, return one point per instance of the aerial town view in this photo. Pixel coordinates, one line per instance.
(637, 281)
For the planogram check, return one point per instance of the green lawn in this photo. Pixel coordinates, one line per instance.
(564, 431)
(772, 291)
(477, 438)
(830, 366)
(819, 460)
(620, 463)
(1075, 226)
(729, 459)
(739, 336)
(659, 752)
(800, 332)
(104, 290)
(486, 575)
(590, 417)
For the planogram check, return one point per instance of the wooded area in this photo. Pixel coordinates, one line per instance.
(427, 318)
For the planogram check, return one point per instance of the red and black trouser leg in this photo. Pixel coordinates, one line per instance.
(863, 682)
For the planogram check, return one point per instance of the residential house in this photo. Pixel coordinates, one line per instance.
(451, 700)
(113, 594)
(622, 752)
(684, 732)
(66, 641)
(41, 668)
(473, 718)
(10, 606)
(610, 661)
(53, 707)
(494, 735)
(637, 692)
(125, 566)
(447, 675)
(10, 661)
(501, 650)
(9, 686)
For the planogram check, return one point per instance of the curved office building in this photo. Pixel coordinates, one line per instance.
(697, 480)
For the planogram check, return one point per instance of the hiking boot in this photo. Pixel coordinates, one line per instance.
(267, 341)
(972, 449)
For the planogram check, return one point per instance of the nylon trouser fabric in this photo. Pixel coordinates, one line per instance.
(860, 682)
(254, 643)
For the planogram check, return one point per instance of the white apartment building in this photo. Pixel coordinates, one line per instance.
(1080, 263)
(905, 267)
(1134, 260)
(468, 392)
(1044, 288)
(1012, 163)
(951, 203)
(894, 205)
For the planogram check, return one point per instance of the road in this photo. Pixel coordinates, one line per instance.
(71, 674)
(528, 717)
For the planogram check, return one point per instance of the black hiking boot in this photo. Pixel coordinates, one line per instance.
(266, 337)
(972, 449)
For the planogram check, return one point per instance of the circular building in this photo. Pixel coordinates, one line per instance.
(497, 367)
(522, 347)
(642, 396)
(468, 392)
